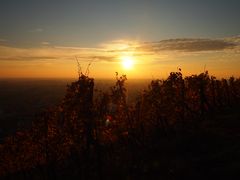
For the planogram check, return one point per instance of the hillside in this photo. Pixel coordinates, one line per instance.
(180, 127)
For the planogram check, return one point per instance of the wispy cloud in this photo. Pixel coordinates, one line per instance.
(110, 52)
(3, 40)
(106, 58)
(57, 53)
(79, 48)
(175, 47)
(45, 43)
(187, 45)
(36, 30)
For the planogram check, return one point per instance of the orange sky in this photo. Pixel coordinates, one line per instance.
(41, 39)
(150, 59)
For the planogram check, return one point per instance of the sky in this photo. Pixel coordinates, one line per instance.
(44, 38)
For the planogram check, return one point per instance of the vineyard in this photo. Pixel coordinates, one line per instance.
(178, 127)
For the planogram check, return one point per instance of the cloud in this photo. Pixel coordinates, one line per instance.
(3, 40)
(172, 48)
(45, 43)
(54, 53)
(111, 51)
(36, 30)
(97, 58)
(79, 48)
(188, 45)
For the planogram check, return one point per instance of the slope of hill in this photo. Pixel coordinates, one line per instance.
(178, 127)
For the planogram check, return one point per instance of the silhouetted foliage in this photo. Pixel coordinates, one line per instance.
(99, 135)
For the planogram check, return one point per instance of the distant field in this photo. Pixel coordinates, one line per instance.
(22, 99)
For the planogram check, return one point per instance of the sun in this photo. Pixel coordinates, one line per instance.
(127, 62)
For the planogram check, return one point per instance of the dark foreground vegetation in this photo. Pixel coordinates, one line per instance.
(177, 128)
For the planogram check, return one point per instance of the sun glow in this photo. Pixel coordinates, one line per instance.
(127, 62)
